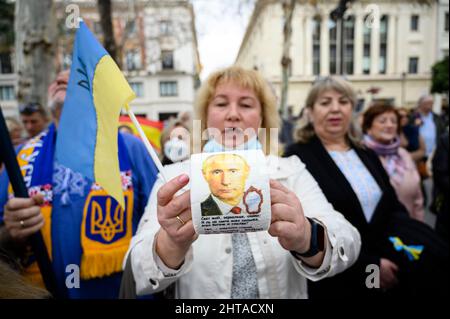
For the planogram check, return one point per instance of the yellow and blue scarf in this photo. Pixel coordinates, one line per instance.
(105, 228)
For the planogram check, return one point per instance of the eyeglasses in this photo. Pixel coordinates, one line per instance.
(30, 108)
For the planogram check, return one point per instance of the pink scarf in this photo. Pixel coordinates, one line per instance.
(392, 162)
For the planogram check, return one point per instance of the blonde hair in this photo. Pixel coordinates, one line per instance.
(14, 286)
(248, 79)
(305, 130)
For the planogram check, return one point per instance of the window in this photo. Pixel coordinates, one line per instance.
(133, 60)
(383, 43)
(167, 60)
(446, 22)
(137, 87)
(333, 45)
(366, 47)
(7, 93)
(349, 34)
(168, 88)
(5, 63)
(413, 65)
(415, 22)
(131, 27)
(165, 27)
(163, 117)
(316, 45)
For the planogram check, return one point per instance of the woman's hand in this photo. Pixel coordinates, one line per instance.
(289, 223)
(22, 217)
(388, 274)
(174, 215)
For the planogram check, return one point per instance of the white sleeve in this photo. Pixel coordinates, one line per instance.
(344, 240)
(150, 273)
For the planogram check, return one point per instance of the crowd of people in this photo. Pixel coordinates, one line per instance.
(342, 198)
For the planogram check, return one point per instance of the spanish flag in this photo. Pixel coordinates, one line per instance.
(152, 129)
(88, 128)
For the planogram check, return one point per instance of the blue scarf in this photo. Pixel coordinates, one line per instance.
(96, 221)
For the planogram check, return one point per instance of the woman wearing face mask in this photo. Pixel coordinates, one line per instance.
(356, 184)
(307, 238)
(175, 143)
(381, 128)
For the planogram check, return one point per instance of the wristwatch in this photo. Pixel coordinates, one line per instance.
(317, 243)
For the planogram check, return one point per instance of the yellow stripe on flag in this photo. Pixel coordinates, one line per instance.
(110, 92)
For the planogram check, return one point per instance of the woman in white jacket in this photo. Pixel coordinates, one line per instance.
(265, 264)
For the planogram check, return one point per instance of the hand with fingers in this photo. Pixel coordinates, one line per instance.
(289, 224)
(22, 217)
(177, 233)
(388, 273)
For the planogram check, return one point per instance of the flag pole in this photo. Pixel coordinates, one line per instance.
(148, 146)
(8, 157)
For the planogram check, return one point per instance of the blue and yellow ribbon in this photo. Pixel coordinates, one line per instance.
(412, 251)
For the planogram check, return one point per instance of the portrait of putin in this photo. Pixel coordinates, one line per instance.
(226, 175)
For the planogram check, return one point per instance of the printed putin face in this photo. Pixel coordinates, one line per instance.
(226, 175)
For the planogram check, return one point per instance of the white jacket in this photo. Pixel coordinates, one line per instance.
(207, 269)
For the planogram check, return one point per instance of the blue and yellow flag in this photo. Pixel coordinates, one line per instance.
(96, 92)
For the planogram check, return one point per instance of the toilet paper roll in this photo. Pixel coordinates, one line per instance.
(230, 192)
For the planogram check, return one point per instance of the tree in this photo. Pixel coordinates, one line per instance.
(288, 11)
(109, 42)
(35, 48)
(439, 80)
(6, 35)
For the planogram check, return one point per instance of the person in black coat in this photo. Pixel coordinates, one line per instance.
(441, 186)
(356, 184)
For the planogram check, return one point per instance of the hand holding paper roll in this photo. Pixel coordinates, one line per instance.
(174, 215)
(230, 192)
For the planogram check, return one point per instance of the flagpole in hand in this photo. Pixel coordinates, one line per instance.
(148, 146)
(8, 157)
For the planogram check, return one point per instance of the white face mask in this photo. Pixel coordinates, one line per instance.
(176, 150)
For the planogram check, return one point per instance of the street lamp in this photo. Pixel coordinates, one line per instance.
(338, 15)
(403, 88)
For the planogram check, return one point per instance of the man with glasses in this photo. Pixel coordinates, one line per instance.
(34, 118)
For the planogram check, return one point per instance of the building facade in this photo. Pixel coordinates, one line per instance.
(388, 47)
(157, 48)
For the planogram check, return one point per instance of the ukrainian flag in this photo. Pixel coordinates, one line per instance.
(97, 90)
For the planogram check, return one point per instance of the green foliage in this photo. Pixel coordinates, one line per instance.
(439, 80)
(6, 25)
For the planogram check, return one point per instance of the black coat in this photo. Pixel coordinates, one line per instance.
(389, 219)
(209, 207)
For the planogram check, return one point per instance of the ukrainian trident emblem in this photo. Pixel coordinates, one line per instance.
(106, 220)
(107, 223)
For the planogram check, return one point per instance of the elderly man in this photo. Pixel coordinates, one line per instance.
(226, 175)
(432, 126)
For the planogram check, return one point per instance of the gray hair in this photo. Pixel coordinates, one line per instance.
(305, 130)
(422, 98)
